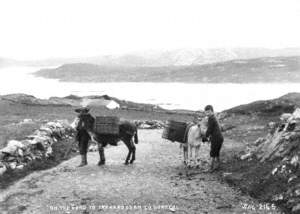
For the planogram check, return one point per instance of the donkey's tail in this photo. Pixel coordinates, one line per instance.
(136, 139)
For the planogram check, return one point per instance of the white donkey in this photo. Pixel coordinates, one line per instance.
(191, 149)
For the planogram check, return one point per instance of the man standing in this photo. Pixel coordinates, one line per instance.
(216, 138)
(83, 136)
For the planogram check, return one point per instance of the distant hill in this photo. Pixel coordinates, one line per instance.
(273, 107)
(94, 102)
(75, 101)
(185, 57)
(162, 58)
(265, 69)
(284, 104)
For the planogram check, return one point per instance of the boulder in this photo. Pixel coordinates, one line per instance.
(44, 129)
(12, 147)
(20, 167)
(246, 156)
(232, 178)
(295, 160)
(149, 124)
(259, 141)
(285, 116)
(296, 114)
(26, 121)
(271, 125)
(296, 208)
(2, 169)
(49, 151)
(2, 155)
(293, 177)
(227, 127)
(12, 165)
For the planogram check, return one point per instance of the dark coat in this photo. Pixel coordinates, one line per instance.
(87, 121)
(214, 131)
(83, 127)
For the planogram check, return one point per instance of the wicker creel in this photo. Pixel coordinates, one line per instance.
(107, 125)
(175, 131)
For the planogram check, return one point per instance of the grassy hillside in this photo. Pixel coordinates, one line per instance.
(275, 107)
(269, 69)
(21, 114)
(19, 107)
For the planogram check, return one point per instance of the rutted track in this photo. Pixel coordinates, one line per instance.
(156, 178)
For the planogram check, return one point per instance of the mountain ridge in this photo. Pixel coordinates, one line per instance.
(256, 70)
(158, 58)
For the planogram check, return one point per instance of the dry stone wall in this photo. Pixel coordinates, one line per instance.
(18, 154)
(282, 145)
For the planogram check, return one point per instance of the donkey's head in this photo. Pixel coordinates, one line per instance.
(203, 126)
(86, 121)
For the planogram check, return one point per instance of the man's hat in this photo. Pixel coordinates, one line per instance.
(82, 110)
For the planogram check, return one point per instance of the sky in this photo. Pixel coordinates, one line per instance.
(38, 29)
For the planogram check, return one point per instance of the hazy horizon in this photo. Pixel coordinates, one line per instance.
(153, 52)
(36, 30)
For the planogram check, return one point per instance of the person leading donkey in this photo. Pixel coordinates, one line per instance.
(215, 137)
(82, 136)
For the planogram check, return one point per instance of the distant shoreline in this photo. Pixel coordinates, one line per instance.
(258, 70)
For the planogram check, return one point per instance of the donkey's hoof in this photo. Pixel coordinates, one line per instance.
(126, 163)
(100, 163)
(131, 162)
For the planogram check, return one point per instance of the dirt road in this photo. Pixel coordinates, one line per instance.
(156, 183)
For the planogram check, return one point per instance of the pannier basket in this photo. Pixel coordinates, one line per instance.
(175, 131)
(107, 125)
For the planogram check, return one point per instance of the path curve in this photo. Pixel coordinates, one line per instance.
(156, 183)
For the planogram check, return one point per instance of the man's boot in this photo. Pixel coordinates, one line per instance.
(83, 161)
(212, 165)
(101, 157)
(218, 165)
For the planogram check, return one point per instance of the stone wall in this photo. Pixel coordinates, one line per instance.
(18, 154)
(282, 145)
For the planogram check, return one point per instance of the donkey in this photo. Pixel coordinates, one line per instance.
(195, 136)
(127, 131)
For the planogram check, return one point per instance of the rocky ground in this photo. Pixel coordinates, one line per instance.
(23, 116)
(266, 167)
(191, 190)
(156, 183)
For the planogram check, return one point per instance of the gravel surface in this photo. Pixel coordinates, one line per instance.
(157, 182)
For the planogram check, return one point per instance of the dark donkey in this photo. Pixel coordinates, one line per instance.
(127, 131)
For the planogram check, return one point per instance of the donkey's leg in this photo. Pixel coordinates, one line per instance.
(197, 154)
(127, 143)
(185, 154)
(101, 154)
(191, 148)
(133, 151)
